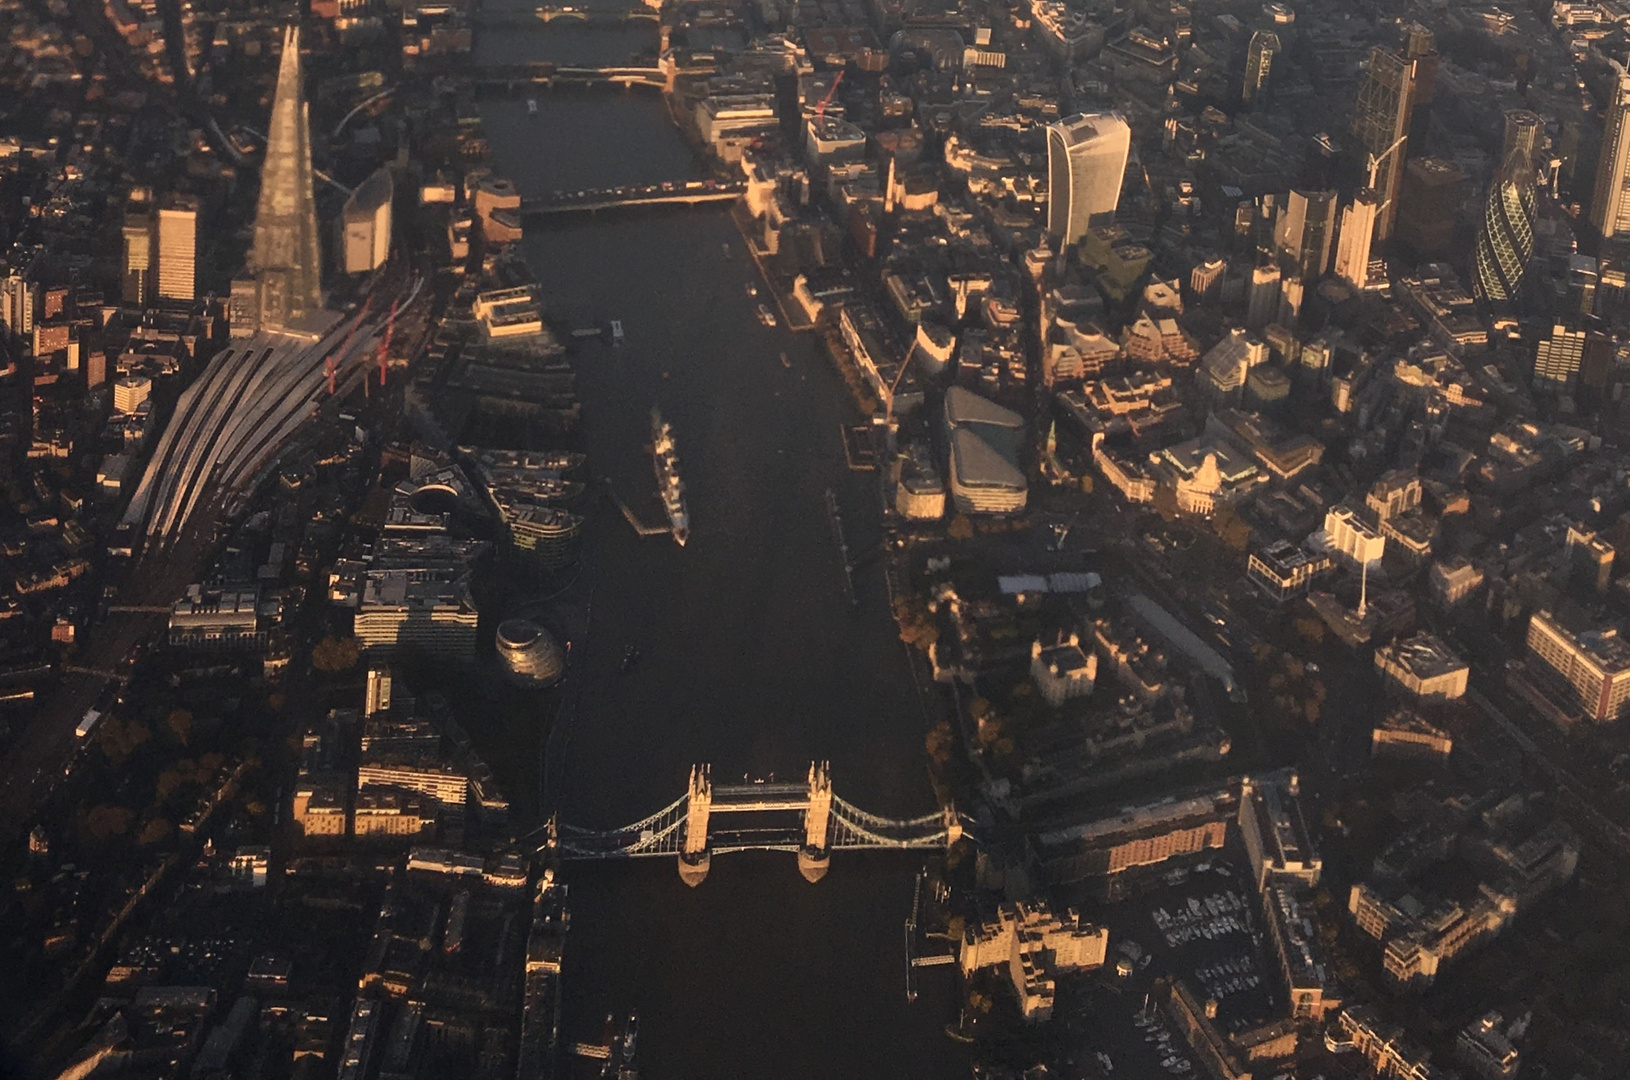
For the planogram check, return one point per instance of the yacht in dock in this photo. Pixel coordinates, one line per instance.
(616, 331)
(665, 460)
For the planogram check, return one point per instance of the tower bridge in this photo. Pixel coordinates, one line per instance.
(685, 829)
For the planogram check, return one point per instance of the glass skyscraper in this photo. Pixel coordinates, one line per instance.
(1086, 161)
(1505, 237)
(1610, 205)
(286, 259)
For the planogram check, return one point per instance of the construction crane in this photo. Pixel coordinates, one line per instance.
(820, 110)
(385, 344)
(329, 361)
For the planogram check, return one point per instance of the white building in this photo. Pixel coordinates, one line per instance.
(130, 392)
(1423, 667)
(1352, 537)
(366, 225)
(1357, 234)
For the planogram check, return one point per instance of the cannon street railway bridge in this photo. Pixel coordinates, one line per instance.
(685, 829)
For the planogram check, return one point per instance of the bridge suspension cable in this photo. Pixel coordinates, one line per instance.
(849, 809)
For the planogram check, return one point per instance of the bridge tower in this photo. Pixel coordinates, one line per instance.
(695, 857)
(953, 824)
(816, 853)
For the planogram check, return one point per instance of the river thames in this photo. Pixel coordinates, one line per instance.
(751, 657)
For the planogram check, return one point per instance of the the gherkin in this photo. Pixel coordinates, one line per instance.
(1505, 237)
(286, 259)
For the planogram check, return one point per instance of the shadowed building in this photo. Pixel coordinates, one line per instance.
(140, 233)
(1391, 114)
(1259, 66)
(1429, 203)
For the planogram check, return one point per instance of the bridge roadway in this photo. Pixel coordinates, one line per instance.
(547, 14)
(513, 77)
(565, 202)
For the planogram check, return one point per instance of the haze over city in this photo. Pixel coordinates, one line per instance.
(808, 538)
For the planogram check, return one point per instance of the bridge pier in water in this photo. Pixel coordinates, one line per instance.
(696, 857)
(816, 853)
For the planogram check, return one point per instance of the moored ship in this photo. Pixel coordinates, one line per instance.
(665, 460)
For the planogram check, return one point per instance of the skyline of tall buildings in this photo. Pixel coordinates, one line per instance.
(1086, 162)
(285, 261)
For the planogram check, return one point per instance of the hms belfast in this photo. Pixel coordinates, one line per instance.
(232, 423)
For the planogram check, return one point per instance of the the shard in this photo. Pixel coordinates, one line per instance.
(286, 259)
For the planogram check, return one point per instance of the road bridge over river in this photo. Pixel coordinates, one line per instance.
(685, 829)
(691, 193)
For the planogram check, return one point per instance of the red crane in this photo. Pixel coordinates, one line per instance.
(329, 361)
(385, 345)
(820, 110)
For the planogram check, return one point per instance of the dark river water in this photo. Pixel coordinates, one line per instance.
(752, 659)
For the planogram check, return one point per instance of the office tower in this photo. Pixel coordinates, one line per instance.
(1259, 65)
(1291, 293)
(1428, 204)
(1357, 234)
(17, 305)
(1304, 233)
(140, 240)
(1610, 205)
(1524, 131)
(1588, 663)
(1505, 236)
(1391, 114)
(178, 247)
(365, 224)
(1263, 303)
(1086, 160)
(285, 260)
(1557, 359)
